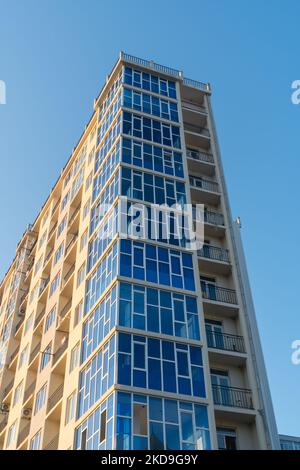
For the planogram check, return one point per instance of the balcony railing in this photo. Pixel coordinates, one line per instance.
(201, 183)
(48, 256)
(52, 230)
(55, 206)
(53, 444)
(232, 396)
(214, 253)
(34, 352)
(194, 106)
(69, 274)
(29, 391)
(196, 129)
(200, 156)
(218, 340)
(214, 218)
(60, 351)
(211, 291)
(55, 397)
(19, 324)
(23, 434)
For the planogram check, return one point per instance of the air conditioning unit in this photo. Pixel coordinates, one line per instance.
(26, 413)
(4, 407)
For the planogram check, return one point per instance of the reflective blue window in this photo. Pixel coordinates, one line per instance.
(149, 82)
(150, 104)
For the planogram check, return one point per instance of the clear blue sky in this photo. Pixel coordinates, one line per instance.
(54, 56)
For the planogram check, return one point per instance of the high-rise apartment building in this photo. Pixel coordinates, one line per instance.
(111, 342)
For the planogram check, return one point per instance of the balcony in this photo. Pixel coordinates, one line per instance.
(23, 434)
(55, 397)
(44, 284)
(29, 268)
(56, 205)
(204, 191)
(196, 136)
(38, 319)
(34, 353)
(3, 424)
(14, 354)
(200, 162)
(7, 389)
(18, 325)
(52, 231)
(68, 275)
(74, 216)
(57, 355)
(232, 397)
(29, 391)
(48, 258)
(71, 243)
(218, 257)
(219, 300)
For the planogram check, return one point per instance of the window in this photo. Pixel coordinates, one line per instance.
(68, 177)
(54, 284)
(74, 359)
(150, 104)
(78, 313)
(58, 253)
(149, 82)
(160, 365)
(86, 209)
(42, 239)
(50, 318)
(23, 356)
(34, 293)
(28, 323)
(40, 399)
(45, 218)
(226, 439)
(101, 277)
(99, 323)
(83, 240)
(18, 393)
(70, 407)
(152, 157)
(157, 265)
(96, 377)
(158, 311)
(35, 443)
(91, 156)
(38, 265)
(46, 356)
(151, 130)
(62, 226)
(154, 423)
(89, 181)
(65, 200)
(11, 436)
(80, 275)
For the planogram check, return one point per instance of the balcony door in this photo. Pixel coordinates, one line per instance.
(208, 287)
(214, 334)
(221, 387)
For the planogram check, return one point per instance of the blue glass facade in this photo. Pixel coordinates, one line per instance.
(141, 329)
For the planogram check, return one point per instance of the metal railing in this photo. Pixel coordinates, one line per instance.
(232, 396)
(23, 434)
(55, 397)
(201, 183)
(29, 391)
(214, 253)
(214, 218)
(225, 341)
(199, 156)
(197, 129)
(53, 444)
(34, 352)
(211, 291)
(60, 351)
